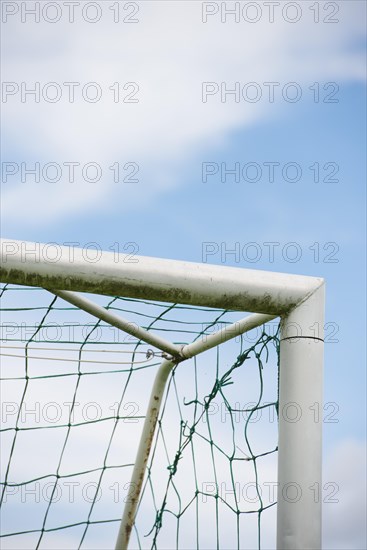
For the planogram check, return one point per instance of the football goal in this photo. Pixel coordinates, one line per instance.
(153, 403)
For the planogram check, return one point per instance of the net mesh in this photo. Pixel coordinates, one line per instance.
(74, 394)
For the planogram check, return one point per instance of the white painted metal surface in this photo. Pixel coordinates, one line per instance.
(142, 455)
(227, 333)
(300, 429)
(65, 268)
(300, 302)
(117, 321)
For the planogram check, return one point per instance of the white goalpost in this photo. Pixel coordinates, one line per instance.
(297, 300)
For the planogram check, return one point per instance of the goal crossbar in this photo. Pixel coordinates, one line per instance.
(60, 267)
(298, 300)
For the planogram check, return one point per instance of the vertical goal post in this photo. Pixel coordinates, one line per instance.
(297, 300)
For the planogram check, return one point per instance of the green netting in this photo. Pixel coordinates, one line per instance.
(74, 395)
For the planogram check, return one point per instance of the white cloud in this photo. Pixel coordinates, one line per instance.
(344, 521)
(169, 53)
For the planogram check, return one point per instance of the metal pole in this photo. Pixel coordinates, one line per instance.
(142, 455)
(117, 321)
(299, 299)
(151, 418)
(225, 334)
(300, 426)
(159, 279)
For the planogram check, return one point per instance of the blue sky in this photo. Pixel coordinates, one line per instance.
(169, 133)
